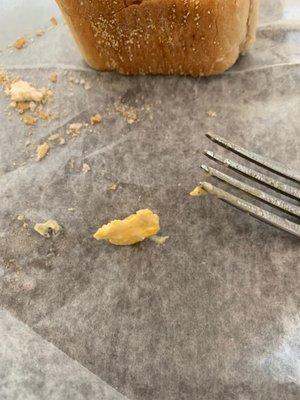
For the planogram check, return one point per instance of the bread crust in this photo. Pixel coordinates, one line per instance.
(188, 37)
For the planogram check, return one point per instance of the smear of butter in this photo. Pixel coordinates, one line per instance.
(131, 230)
(48, 228)
(198, 191)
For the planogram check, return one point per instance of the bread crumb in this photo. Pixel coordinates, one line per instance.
(85, 168)
(22, 106)
(48, 228)
(43, 115)
(53, 21)
(42, 151)
(39, 32)
(129, 113)
(159, 239)
(53, 77)
(75, 128)
(96, 119)
(71, 209)
(20, 217)
(212, 114)
(114, 187)
(20, 43)
(29, 119)
(23, 91)
(131, 230)
(198, 191)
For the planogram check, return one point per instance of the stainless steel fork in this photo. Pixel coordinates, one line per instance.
(273, 166)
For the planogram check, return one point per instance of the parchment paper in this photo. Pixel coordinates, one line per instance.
(211, 314)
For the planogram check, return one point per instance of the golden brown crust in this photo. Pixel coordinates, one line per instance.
(193, 37)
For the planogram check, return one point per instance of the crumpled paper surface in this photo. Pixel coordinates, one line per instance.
(214, 312)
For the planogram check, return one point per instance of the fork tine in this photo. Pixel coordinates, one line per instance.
(253, 210)
(262, 178)
(271, 165)
(266, 197)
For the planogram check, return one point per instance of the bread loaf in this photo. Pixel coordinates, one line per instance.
(188, 37)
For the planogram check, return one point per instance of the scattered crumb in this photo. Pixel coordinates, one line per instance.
(20, 217)
(43, 115)
(53, 21)
(27, 143)
(131, 230)
(39, 32)
(85, 168)
(22, 106)
(212, 114)
(198, 191)
(29, 119)
(129, 113)
(32, 106)
(23, 91)
(96, 119)
(53, 77)
(48, 228)
(75, 128)
(42, 151)
(87, 86)
(54, 137)
(71, 209)
(114, 186)
(20, 43)
(159, 239)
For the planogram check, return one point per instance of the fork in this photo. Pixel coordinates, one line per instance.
(271, 165)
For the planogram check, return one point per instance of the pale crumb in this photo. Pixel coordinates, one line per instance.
(27, 143)
(87, 86)
(82, 81)
(20, 217)
(96, 119)
(75, 128)
(159, 239)
(25, 225)
(212, 114)
(32, 106)
(23, 91)
(39, 32)
(114, 187)
(71, 209)
(129, 113)
(85, 168)
(54, 137)
(22, 106)
(42, 151)
(43, 115)
(53, 77)
(198, 191)
(53, 21)
(29, 119)
(48, 228)
(20, 43)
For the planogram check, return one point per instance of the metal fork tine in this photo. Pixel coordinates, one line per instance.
(271, 165)
(253, 210)
(262, 178)
(266, 197)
